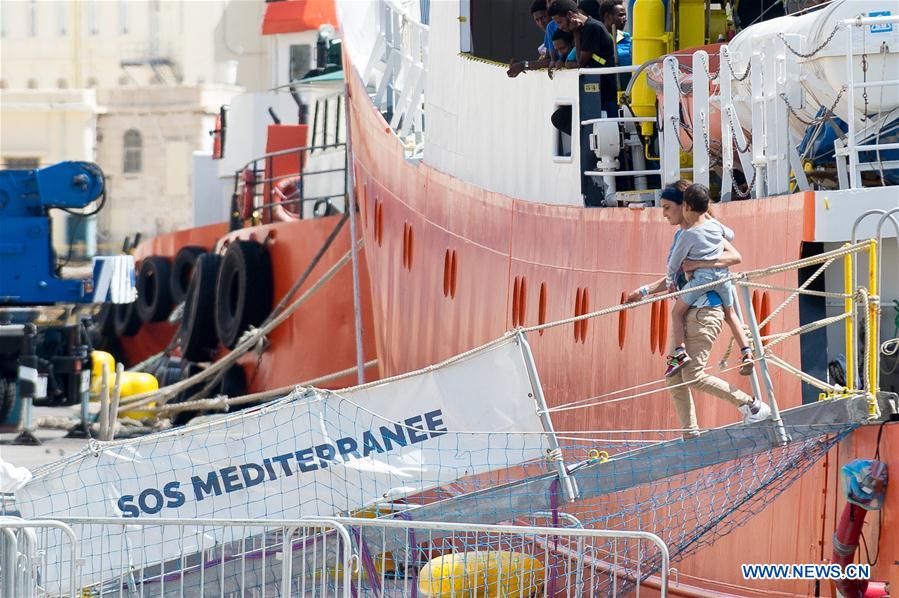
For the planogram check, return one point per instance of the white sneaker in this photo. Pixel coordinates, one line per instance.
(762, 412)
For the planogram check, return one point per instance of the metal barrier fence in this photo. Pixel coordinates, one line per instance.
(23, 562)
(338, 557)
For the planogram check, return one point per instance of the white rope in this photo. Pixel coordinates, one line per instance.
(737, 278)
(166, 393)
(779, 338)
(771, 287)
(580, 405)
(225, 403)
(808, 379)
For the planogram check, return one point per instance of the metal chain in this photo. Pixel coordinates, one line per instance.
(686, 128)
(676, 72)
(705, 67)
(819, 119)
(749, 187)
(730, 67)
(820, 47)
(733, 128)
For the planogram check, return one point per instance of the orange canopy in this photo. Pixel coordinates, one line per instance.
(291, 16)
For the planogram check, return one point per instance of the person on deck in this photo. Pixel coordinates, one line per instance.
(563, 41)
(595, 47)
(613, 15)
(703, 323)
(548, 54)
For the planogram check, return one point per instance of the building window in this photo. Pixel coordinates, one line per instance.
(21, 163)
(92, 82)
(3, 18)
(62, 83)
(31, 16)
(2, 83)
(62, 18)
(92, 24)
(133, 150)
(123, 17)
(124, 80)
(300, 61)
(32, 84)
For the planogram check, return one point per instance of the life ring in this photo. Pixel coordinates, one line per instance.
(182, 270)
(286, 190)
(243, 290)
(154, 297)
(126, 321)
(197, 332)
(247, 194)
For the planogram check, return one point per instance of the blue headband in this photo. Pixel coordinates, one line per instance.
(672, 193)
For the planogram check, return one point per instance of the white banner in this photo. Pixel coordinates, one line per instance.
(320, 454)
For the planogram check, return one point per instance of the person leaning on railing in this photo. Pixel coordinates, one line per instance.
(703, 323)
(595, 47)
(547, 52)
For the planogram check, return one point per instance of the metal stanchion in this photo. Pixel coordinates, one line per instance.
(28, 381)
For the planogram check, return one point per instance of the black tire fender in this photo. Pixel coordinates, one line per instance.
(182, 271)
(126, 321)
(154, 295)
(244, 290)
(197, 334)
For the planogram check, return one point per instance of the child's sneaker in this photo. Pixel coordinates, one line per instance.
(676, 361)
(755, 412)
(746, 362)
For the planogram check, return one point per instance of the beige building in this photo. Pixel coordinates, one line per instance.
(131, 84)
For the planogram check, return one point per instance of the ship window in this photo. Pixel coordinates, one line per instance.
(133, 151)
(561, 140)
(300, 61)
(515, 36)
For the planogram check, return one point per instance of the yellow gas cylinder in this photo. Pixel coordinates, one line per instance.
(691, 21)
(482, 574)
(649, 42)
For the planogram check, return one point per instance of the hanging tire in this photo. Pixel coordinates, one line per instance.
(126, 321)
(244, 290)
(197, 334)
(233, 383)
(106, 320)
(182, 271)
(188, 369)
(154, 295)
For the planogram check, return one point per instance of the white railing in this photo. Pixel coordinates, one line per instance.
(397, 71)
(852, 148)
(341, 557)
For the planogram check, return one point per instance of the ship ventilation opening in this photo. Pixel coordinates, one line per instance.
(561, 135)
